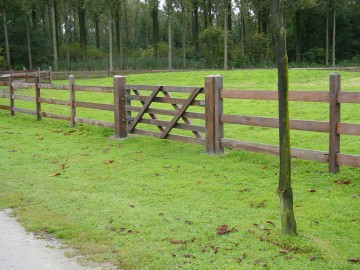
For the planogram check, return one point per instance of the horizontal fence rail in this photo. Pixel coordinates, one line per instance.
(157, 111)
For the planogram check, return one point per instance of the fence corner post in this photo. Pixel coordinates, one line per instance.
(72, 101)
(37, 98)
(119, 106)
(214, 128)
(334, 119)
(11, 95)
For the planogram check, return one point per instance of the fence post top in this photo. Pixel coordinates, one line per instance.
(119, 76)
(71, 76)
(335, 74)
(214, 76)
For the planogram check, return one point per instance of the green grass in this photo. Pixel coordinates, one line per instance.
(144, 203)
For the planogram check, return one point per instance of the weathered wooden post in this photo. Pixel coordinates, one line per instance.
(119, 107)
(214, 128)
(50, 75)
(72, 101)
(37, 98)
(334, 119)
(11, 95)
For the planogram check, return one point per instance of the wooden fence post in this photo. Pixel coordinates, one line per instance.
(72, 101)
(24, 74)
(213, 110)
(334, 119)
(11, 94)
(119, 107)
(37, 98)
(50, 75)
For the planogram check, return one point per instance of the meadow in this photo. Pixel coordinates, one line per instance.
(145, 203)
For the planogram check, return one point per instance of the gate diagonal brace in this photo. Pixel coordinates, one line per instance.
(180, 113)
(152, 115)
(186, 120)
(144, 108)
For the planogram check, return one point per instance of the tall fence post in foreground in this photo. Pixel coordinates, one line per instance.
(72, 101)
(11, 94)
(334, 119)
(37, 98)
(119, 106)
(213, 110)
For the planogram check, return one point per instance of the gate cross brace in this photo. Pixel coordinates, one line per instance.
(186, 120)
(153, 116)
(144, 108)
(180, 112)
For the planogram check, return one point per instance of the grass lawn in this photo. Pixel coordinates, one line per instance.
(145, 203)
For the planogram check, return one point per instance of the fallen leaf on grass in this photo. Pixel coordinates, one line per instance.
(240, 259)
(176, 242)
(312, 190)
(109, 161)
(259, 205)
(56, 131)
(354, 260)
(189, 256)
(244, 189)
(224, 229)
(55, 174)
(271, 223)
(312, 258)
(342, 182)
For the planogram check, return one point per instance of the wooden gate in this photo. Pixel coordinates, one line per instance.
(170, 111)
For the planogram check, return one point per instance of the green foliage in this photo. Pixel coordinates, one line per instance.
(259, 49)
(315, 55)
(212, 45)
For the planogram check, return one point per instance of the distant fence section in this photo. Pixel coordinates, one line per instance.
(27, 75)
(197, 112)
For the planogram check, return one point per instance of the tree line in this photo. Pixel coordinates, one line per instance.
(154, 34)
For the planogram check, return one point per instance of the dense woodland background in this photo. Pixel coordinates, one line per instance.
(153, 34)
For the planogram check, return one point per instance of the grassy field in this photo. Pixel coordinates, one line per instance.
(144, 203)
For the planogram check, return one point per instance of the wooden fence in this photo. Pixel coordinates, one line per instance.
(27, 75)
(134, 108)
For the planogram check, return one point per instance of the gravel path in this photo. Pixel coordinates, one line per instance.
(20, 250)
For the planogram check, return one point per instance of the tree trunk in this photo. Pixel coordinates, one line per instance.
(196, 28)
(97, 31)
(242, 27)
(6, 40)
(67, 36)
(155, 24)
(298, 37)
(204, 6)
(184, 31)
(288, 223)
(327, 36)
(210, 12)
(111, 68)
(29, 43)
(82, 27)
(229, 16)
(225, 35)
(334, 38)
(53, 25)
(169, 42)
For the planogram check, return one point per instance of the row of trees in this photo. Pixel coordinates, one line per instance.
(87, 34)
